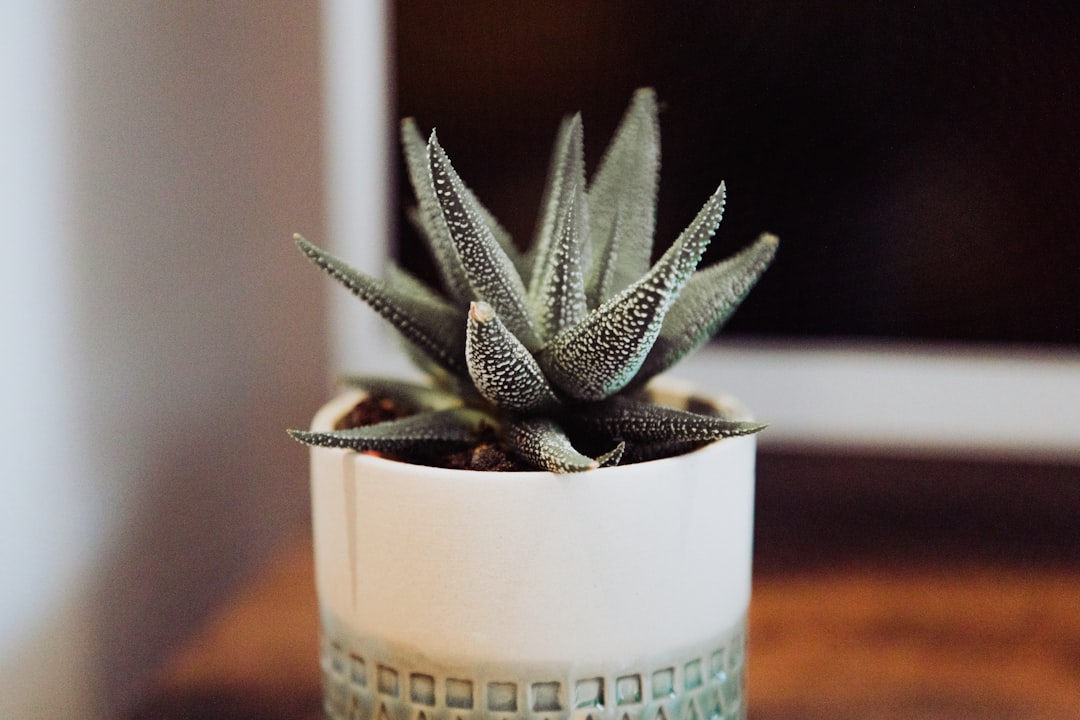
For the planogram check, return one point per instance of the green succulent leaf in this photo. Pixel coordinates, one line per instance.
(549, 200)
(491, 274)
(423, 318)
(428, 218)
(602, 272)
(541, 442)
(557, 289)
(602, 354)
(709, 299)
(421, 434)
(405, 283)
(612, 457)
(640, 421)
(622, 200)
(503, 370)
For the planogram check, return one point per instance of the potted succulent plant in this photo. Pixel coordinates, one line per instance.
(539, 531)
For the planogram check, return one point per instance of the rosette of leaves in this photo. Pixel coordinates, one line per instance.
(547, 352)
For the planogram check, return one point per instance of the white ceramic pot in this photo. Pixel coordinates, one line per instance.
(448, 594)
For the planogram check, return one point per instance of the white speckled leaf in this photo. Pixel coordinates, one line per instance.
(624, 191)
(492, 275)
(423, 434)
(640, 421)
(553, 185)
(709, 299)
(557, 288)
(558, 302)
(429, 218)
(602, 274)
(613, 456)
(503, 369)
(543, 443)
(431, 224)
(603, 353)
(425, 319)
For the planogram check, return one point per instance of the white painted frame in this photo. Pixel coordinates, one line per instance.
(993, 402)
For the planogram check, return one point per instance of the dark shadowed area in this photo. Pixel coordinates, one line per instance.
(918, 160)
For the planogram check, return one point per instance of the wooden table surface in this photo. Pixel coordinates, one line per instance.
(844, 622)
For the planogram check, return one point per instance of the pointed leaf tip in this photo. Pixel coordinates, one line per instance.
(556, 293)
(543, 443)
(640, 421)
(481, 312)
(501, 367)
(491, 273)
(623, 193)
(709, 299)
(613, 456)
(423, 318)
(425, 433)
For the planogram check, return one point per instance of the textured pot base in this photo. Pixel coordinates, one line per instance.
(365, 680)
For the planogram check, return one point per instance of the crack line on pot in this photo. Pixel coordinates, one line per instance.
(350, 520)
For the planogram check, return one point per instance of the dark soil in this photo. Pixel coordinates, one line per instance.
(484, 456)
(372, 410)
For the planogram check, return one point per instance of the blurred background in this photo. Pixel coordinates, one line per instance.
(919, 162)
(159, 332)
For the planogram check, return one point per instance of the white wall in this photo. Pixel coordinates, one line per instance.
(159, 329)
